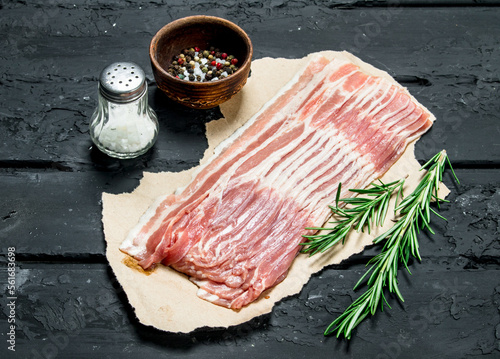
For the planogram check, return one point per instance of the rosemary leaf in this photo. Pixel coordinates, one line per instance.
(356, 213)
(399, 244)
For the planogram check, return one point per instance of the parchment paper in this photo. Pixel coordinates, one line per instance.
(166, 299)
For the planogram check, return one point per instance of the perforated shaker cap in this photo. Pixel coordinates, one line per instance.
(122, 82)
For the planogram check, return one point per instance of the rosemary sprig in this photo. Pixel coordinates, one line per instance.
(362, 211)
(400, 242)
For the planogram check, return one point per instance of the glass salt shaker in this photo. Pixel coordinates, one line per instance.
(123, 124)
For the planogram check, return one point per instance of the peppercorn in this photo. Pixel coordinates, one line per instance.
(217, 64)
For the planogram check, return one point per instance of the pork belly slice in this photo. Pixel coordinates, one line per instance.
(235, 229)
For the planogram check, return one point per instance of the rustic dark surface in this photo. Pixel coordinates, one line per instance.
(69, 304)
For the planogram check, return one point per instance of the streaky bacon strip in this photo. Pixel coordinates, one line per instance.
(236, 228)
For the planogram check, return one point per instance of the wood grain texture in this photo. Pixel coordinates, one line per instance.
(58, 215)
(69, 304)
(78, 311)
(443, 55)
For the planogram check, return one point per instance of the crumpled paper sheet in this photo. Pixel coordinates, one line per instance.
(166, 299)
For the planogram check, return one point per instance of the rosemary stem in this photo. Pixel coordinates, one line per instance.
(400, 242)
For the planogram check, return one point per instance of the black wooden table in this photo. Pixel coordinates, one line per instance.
(68, 303)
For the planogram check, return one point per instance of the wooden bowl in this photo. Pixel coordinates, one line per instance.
(203, 32)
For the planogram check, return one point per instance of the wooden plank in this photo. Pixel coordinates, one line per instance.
(57, 216)
(54, 213)
(190, 5)
(68, 303)
(80, 311)
(46, 100)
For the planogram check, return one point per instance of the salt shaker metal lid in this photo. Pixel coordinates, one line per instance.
(122, 82)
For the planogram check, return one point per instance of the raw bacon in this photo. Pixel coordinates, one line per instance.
(236, 228)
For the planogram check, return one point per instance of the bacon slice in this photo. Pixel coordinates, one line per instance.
(236, 228)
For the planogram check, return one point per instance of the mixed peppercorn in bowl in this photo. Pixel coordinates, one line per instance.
(201, 61)
(195, 64)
